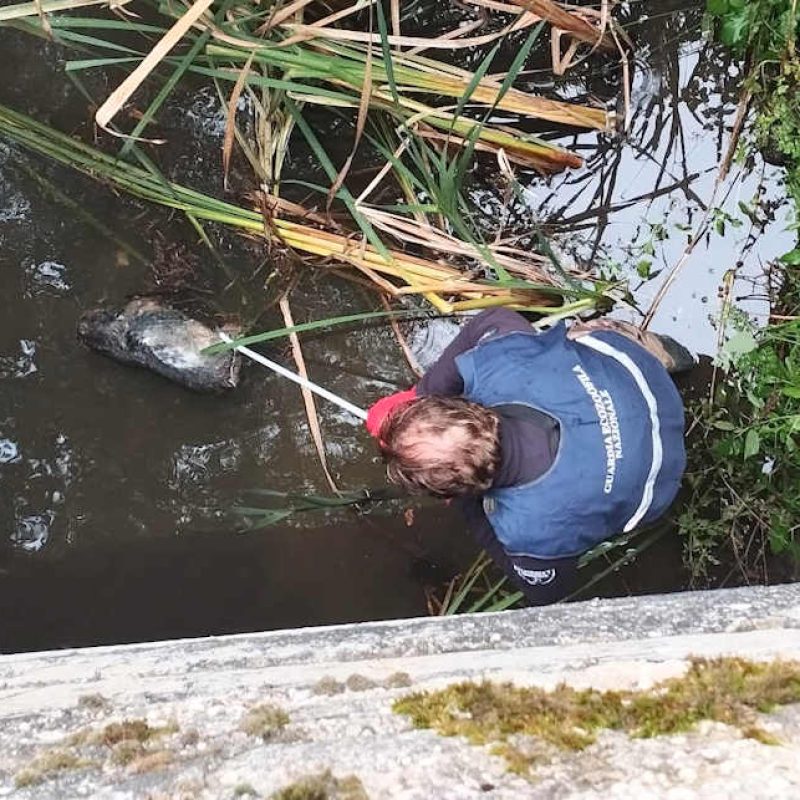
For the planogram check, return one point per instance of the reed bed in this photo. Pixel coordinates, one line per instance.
(429, 119)
(447, 288)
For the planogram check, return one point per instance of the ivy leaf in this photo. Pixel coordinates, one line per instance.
(752, 443)
(643, 268)
(724, 425)
(740, 344)
(792, 258)
(791, 391)
(733, 31)
(717, 8)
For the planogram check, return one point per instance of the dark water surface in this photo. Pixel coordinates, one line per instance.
(114, 483)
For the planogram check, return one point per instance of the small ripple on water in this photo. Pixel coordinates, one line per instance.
(194, 464)
(32, 531)
(48, 277)
(19, 366)
(9, 452)
(15, 209)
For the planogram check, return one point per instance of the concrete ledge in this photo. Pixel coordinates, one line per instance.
(614, 620)
(208, 684)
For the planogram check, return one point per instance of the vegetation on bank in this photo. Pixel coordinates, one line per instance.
(743, 503)
(739, 513)
(526, 724)
(765, 34)
(744, 457)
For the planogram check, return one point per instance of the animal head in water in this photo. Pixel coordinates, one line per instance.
(103, 330)
(161, 338)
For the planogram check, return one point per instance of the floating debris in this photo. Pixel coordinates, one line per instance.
(49, 277)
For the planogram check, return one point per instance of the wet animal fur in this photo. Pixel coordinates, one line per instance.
(149, 334)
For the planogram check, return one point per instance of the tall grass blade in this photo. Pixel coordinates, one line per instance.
(304, 327)
(33, 9)
(122, 93)
(151, 111)
(308, 398)
(344, 193)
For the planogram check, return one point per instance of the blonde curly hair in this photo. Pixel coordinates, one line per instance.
(445, 446)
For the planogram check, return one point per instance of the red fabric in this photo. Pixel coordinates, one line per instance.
(378, 412)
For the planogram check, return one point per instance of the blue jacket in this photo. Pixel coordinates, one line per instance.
(621, 450)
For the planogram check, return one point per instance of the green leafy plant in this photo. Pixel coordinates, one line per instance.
(745, 456)
(777, 126)
(761, 27)
(765, 33)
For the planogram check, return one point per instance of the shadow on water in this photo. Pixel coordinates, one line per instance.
(112, 480)
(166, 586)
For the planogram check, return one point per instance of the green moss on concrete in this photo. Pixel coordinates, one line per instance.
(152, 761)
(324, 786)
(129, 730)
(47, 765)
(190, 738)
(125, 743)
(122, 753)
(728, 690)
(328, 685)
(398, 680)
(265, 721)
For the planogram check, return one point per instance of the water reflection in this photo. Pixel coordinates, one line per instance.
(631, 211)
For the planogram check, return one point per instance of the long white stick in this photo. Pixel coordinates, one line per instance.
(286, 373)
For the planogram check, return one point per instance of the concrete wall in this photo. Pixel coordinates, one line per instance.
(336, 686)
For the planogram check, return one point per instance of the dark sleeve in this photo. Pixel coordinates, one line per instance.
(443, 377)
(542, 581)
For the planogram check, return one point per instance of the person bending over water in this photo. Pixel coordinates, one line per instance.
(551, 442)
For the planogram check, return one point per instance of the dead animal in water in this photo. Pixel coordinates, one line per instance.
(148, 334)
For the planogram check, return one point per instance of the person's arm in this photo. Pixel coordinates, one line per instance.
(443, 378)
(542, 581)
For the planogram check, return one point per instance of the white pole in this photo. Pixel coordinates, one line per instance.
(298, 379)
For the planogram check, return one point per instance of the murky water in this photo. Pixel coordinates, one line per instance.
(114, 484)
